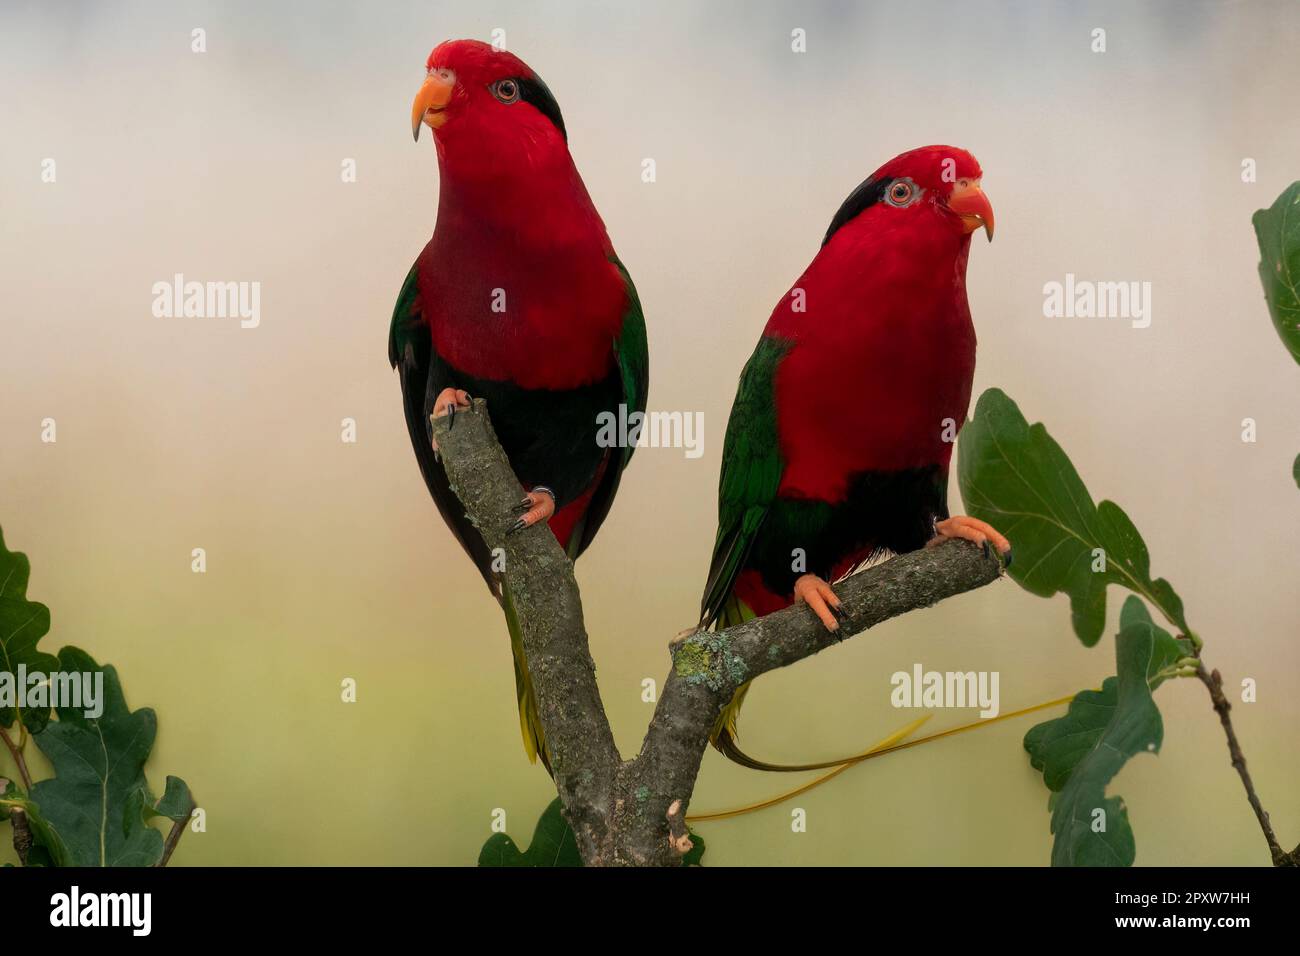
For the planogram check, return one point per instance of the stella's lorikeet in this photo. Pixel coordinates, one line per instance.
(519, 299)
(839, 440)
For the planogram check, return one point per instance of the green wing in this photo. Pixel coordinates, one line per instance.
(633, 357)
(751, 473)
(633, 353)
(404, 328)
(410, 351)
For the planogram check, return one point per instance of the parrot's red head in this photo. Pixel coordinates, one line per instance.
(930, 181)
(474, 92)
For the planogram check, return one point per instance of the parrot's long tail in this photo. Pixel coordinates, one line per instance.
(892, 742)
(895, 741)
(726, 741)
(724, 733)
(530, 725)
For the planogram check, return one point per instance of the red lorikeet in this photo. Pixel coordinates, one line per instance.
(520, 299)
(839, 440)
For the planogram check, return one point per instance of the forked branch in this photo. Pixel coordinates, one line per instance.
(631, 812)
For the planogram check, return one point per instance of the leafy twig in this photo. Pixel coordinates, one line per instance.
(174, 835)
(1214, 683)
(173, 838)
(16, 751)
(22, 833)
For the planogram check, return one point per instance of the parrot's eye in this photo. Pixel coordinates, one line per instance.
(901, 192)
(507, 91)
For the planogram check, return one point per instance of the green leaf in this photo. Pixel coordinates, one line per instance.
(9, 795)
(1081, 752)
(176, 803)
(1016, 477)
(1278, 231)
(22, 624)
(553, 845)
(97, 797)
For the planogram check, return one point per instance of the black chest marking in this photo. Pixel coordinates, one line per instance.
(549, 436)
(883, 511)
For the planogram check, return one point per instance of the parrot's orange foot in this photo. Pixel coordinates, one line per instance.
(537, 505)
(817, 594)
(971, 529)
(448, 400)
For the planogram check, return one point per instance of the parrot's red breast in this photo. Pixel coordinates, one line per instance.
(518, 282)
(880, 376)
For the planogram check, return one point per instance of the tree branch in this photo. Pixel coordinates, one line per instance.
(708, 668)
(631, 813)
(539, 576)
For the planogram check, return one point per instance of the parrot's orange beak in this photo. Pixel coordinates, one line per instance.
(969, 202)
(432, 99)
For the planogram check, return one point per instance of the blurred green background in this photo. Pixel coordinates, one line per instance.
(327, 560)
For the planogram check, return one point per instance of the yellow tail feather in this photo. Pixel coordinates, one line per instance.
(530, 724)
(895, 741)
(724, 732)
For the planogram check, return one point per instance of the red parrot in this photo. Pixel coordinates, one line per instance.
(520, 299)
(839, 440)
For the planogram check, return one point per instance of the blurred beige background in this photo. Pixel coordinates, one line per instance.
(327, 560)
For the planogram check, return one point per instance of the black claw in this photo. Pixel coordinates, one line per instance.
(524, 505)
(451, 415)
(437, 456)
(986, 548)
(838, 611)
(1006, 559)
(519, 525)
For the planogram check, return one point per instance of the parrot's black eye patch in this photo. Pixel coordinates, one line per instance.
(536, 92)
(531, 90)
(899, 191)
(870, 192)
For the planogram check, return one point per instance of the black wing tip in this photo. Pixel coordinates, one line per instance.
(716, 589)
